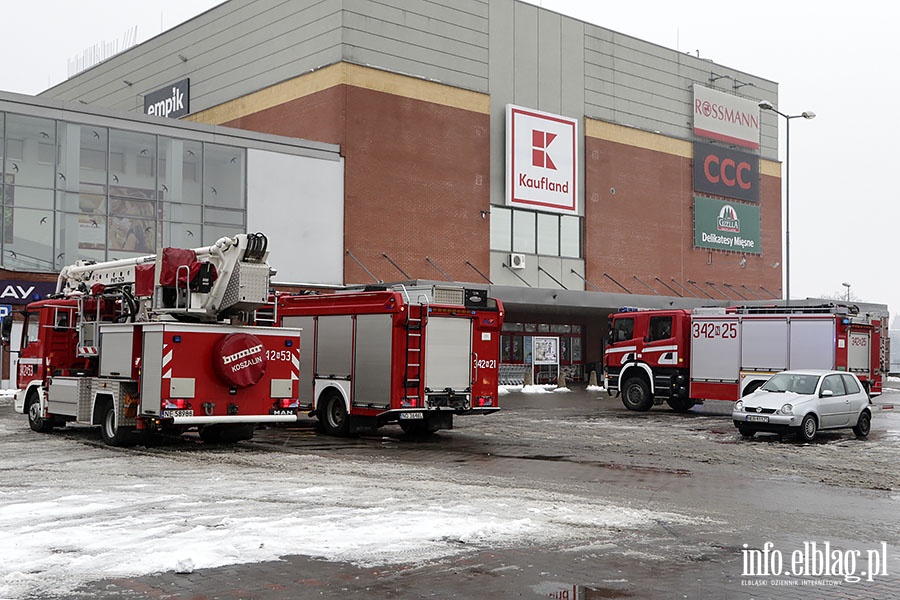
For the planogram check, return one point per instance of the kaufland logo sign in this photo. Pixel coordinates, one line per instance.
(541, 160)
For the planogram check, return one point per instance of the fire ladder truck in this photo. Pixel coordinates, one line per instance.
(159, 342)
(683, 357)
(413, 355)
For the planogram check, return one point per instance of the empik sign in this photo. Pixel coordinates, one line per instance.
(726, 117)
(541, 160)
(172, 101)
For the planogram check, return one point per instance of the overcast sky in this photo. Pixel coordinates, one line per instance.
(836, 62)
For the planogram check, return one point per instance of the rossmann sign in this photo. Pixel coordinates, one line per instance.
(726, 117)
(541, 160)
(726, 172)
(172, 101)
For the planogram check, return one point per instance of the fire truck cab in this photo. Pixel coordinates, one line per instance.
(683, 357)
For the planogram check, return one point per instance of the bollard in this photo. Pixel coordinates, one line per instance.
(593, 379)
(529, 377)
(561, 380)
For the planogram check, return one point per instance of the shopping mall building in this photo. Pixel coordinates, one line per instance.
(568, 168)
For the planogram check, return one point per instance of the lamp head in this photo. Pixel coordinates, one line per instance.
(766, 105)
(808, 114)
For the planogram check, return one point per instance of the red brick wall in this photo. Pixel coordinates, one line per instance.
(645, 229)
(416, 178)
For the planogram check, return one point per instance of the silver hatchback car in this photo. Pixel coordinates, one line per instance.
(805, 402)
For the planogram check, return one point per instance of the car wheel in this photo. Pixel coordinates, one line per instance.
(333, 415)
(746, 432)
(808, 428)
(863, 425)
(35, 420)
(636, 395)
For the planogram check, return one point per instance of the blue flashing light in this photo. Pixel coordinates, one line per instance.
(288, 343)
(176, 339)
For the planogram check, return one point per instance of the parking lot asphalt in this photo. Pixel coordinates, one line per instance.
(735, 496)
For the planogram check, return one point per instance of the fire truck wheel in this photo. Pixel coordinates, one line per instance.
(808, 428)
(636, 395)
(418, 428)
(35, 420)
(863, 425)
(333, 415)
(680, 404)
(227, 434)
(114, 435)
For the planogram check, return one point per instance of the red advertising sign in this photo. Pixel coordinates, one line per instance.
(541, 160)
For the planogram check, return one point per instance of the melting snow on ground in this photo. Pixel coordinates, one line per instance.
(72, 512)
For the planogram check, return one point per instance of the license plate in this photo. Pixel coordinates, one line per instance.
(758, 418)
(411, 416)
(177, 413)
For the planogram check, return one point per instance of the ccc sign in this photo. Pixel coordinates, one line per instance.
(725, 172)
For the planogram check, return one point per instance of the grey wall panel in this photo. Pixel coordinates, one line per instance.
(438, 40)
(549, 62)
(525, 58)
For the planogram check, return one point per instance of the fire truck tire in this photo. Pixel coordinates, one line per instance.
(35, 420)
(112, 434)
(418, 428)
(636, 395)
(333, 415)
(863, 425)
(680, 404)
(808, 428)
(227, 434)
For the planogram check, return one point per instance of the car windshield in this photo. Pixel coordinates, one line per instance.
(791, 382)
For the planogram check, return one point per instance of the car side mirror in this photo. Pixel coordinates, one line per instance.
(826, 393)
(6, 330)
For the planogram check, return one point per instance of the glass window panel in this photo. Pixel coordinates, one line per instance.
(225, 217)
(548, 234)
(501, 229)
(212, 233)
(82, 158)
(570, 237)
(28, 197)
(223, 176)
(184, 213)
(31, 146)
(531, 327)
(131, 173)
(576, 349)
(132, 226)
(180, 171)
(80, 236)
(181, 235)
(523, 231)
(512, 327)
(92, 204)
(28, 243)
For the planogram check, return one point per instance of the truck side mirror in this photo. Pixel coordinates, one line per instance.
(6, 330)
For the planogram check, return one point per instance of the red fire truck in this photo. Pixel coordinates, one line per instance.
(417, 355)
(685, 356)
(139, 345)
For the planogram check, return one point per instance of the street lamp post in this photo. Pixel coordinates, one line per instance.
(847, 285)
(766, 105)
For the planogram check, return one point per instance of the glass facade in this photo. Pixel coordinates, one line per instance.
(516, 341)
(530, 232)
(77, 191)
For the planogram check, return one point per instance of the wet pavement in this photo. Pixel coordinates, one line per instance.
(748, 507)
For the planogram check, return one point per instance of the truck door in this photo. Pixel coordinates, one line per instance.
(448, 353)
